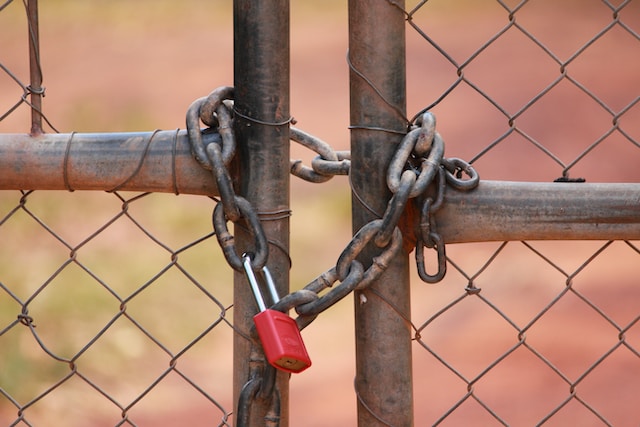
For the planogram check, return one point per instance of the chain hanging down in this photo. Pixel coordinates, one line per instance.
(419, 164)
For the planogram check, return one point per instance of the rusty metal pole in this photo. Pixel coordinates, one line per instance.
(378, 103)
(159, 161)
(35, 84)
(261, 79)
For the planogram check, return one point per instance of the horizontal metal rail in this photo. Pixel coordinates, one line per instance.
(158, 161)
(162, 162)
(503, 210)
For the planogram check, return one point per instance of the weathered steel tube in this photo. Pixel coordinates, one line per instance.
(495, 211)
(378, 107)
(501, 210)
(138, 161)
(261, 81)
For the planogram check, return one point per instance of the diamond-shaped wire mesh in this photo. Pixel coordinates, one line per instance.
(113, 306)
(14, 75)
(104, 287)
(527, 333)
(525, 329)
(551, 86)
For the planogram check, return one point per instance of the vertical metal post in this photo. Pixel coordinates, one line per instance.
(35, 84)
(261, 80)
(378, 104)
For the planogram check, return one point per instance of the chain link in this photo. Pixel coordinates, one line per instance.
(307, 302)
(428, 235)
(406, 156)
(324, 166)
(454, 168)
(395, 207)
(227, 241)
(260, 386)
(211, 110)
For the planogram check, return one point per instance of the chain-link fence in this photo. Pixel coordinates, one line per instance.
(108, 310)
(525, 333)
(115, 308)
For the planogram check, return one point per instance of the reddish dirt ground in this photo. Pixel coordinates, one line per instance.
(102, 79)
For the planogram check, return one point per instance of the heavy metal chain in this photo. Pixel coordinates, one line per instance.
(417, 171)
(215, 111)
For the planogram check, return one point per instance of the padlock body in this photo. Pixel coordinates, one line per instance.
(281, 341)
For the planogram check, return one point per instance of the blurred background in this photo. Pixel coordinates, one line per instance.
(509, 93)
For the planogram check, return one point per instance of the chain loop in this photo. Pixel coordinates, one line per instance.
(332, 167)
(356, 246)
(435, 240)
(307, 302)
(294, 300)
(225, 129)
(429, 208)
(223, 181)
(209, 109)
(324, 166)
(247, 394)
(395, 208)
(203, 109)
(427, 123)
(428, 166)
(455, 168)
(227, 241)
(260, 386)
(354, 277)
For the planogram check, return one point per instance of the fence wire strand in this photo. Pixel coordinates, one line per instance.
(32, 92)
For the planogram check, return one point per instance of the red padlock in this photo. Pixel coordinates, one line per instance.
(279, 333)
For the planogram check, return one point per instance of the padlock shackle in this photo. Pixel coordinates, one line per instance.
(270, 285)
(255, 287)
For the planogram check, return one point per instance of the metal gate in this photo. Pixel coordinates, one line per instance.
(115, 310)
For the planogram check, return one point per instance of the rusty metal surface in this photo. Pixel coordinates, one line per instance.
(261, 109)
(36, 90)
(158, 161)
(495, 211)
(503, 210)
(378, 100)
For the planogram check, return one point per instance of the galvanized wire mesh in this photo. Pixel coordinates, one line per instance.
(112, 306)
(528, 333)
(550, 87)
(23, 77)
(108, 301)
(14, 76)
